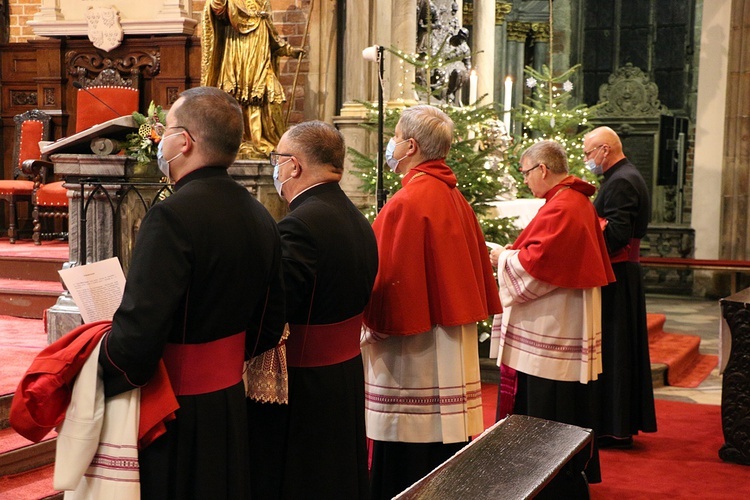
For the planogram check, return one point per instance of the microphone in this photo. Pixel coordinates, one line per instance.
(79, 86)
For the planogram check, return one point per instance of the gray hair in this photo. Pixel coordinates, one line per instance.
(551, 153)
(319, 142)
(430, 127)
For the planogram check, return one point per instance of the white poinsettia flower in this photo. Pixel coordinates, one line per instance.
(568, 86)
(531, 82)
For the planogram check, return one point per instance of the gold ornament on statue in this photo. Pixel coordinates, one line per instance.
(241, 48)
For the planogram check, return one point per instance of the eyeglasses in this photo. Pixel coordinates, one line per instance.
(527, 172)
(273, 158)
(587, 153)
(185, 129)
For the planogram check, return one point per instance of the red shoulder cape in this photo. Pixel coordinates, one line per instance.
(434, 267)
(563, 245)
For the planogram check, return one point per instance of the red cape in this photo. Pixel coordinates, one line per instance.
(43, 394)
(434, 267)
(563, 245)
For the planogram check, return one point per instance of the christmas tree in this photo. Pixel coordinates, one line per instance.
(549, 113)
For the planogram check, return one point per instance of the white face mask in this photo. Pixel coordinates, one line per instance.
(389, 159)
(164, 164)
(276, 182)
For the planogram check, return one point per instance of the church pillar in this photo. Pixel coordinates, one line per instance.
(403, 37)
(540, 36)
(710, 133)
(360, 84)
(502, 9)
(735, 243)
(320, 101)
(484, 48)
(517, 33)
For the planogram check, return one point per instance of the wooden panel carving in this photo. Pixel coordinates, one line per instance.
(23, 98)
(173, 93)
(89, 64)
(49, 97)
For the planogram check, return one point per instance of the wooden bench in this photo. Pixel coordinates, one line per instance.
(515, 458)
(736, 267)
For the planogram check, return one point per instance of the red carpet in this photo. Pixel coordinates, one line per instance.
(27, 248)
(21, 340)
(687, 367)
(32, 485)
(681, 460)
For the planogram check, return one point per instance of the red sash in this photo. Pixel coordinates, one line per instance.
(629, 253)
(208, 367)
(323, 345)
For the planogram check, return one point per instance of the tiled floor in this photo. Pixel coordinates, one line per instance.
(696, 317)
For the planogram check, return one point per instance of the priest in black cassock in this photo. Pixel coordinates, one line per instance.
(329, 259)
(623, 205)
(204, 290)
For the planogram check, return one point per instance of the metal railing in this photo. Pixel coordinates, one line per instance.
(116, 198)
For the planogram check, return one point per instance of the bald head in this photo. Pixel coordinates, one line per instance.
(604, 146)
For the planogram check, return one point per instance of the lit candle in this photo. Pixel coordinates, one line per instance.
(473, 87)
(507, 102)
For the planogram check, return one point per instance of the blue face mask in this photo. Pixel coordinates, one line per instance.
(594, 168)
(164, 164)
(276, 182)
(389, 159)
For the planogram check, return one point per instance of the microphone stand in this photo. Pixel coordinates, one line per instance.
(380, 193)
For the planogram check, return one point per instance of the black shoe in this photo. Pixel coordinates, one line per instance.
(614, 442)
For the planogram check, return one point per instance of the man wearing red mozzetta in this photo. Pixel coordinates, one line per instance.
(548, 339)
(434, 283)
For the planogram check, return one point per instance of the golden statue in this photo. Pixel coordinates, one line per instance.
(241, 48)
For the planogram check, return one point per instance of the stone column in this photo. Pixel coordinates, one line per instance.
(502, 9)
(360, 84)
(710, 134)
(356, 38)
(403, 37)
(320, 88)
(484, 48)
(735, 223)
(517, 34)
(540, 35)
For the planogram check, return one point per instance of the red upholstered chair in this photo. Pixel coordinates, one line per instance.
(50, 203)
(118, 96)
(31, 127)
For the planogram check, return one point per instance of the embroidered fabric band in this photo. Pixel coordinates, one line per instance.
(323, 345)
(208, 367)
(630, 253)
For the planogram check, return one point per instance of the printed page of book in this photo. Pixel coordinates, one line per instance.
(96, 288)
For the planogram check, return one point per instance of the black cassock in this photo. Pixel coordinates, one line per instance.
(205, 264)
(330, 262)
(627, 397)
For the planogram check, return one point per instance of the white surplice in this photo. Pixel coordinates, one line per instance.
(416, 390)
(544, 330)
